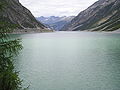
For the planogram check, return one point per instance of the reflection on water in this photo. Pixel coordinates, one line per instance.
(70, 61)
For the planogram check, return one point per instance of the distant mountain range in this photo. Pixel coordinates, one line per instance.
(15, 13)
(103, 15)
(55, 22)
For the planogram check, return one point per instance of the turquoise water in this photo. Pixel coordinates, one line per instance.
(70, 61)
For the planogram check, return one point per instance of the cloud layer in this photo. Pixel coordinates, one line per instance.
(56, 7)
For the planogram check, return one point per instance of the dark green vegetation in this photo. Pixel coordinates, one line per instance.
(104, 15)
(9, 79)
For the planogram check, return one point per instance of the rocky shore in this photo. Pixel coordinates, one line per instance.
(30, 30)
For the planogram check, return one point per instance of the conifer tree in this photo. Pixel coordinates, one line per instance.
(9, 48)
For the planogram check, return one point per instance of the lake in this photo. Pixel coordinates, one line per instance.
(70, 61)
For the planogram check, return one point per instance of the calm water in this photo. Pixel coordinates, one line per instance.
(70, 61)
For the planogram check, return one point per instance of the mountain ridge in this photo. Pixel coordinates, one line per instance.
(16, 13)
(103, 15)
(55, 22)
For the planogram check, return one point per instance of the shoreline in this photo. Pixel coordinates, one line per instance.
(34, 30)
(31, 31)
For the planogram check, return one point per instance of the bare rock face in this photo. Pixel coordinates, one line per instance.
(15, 13)
(103, 15)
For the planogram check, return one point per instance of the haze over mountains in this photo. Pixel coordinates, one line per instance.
(103, 15)
(55, 22)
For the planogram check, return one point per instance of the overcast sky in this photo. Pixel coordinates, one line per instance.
(56, 7)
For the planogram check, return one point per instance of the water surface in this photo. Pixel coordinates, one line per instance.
(70, 61)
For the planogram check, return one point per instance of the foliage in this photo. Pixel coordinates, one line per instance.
(9, 79)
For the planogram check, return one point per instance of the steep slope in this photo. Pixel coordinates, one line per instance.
(15, 13)
(54, 22)
(103, 15)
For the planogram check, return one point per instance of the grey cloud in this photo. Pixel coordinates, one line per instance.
(56, 7)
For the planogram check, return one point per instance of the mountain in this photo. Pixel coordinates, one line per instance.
(103, 15)
(15, 13)
(55, 22)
